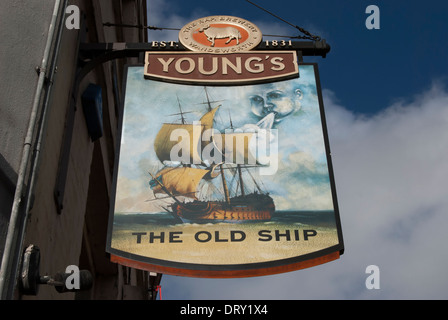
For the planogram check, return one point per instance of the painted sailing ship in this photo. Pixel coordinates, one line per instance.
(182, 180)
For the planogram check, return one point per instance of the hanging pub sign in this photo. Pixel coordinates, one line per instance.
(224, 167)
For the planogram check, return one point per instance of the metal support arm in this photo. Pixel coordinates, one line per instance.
(97, 53)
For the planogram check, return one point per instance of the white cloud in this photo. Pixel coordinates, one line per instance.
(391, 174)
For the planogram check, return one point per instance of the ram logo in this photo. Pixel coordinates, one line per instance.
(213, 33)
(220, 35)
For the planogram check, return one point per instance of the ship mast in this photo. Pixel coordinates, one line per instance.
(208, 99)
(224, 184)
(181, 113)
(230, 118)
(241, 179)
(238, 166)
(209, 102)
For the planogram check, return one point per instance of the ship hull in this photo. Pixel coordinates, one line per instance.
(251, 208)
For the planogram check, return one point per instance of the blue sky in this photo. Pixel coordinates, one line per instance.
(368, 68)
(386, 104)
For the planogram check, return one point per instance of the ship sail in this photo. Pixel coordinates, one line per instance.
(177, 181)
(182, 180)
(191, 141)
(208, 118)
(205, 155)
(240, 147)
(237, 147)
(163, 144)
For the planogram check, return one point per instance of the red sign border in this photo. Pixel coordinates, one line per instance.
(221, 274)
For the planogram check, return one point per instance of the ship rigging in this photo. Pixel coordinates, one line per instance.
(184, 181)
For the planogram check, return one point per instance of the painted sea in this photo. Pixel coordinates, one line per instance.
(323, 219)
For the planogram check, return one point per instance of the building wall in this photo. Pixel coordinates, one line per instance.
(23, 32)
(75, 235)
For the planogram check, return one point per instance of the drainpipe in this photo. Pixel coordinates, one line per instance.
(16, 229)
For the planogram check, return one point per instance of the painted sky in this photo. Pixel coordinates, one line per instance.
(297, 175)
(386, 105)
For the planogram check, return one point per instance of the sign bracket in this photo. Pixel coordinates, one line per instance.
(93, 54)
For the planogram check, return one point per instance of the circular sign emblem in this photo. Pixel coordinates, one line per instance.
(220, 34)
